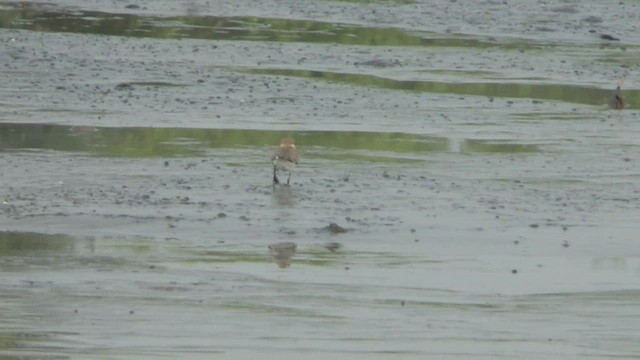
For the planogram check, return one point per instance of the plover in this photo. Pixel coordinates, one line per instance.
(617, 102)
(285, 158)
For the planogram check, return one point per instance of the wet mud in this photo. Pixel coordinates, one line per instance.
(463, 190)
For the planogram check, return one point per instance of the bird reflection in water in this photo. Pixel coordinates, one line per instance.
(283, 195)
(282, 253)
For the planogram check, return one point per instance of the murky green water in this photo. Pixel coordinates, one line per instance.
(171, 142)
(463, 192)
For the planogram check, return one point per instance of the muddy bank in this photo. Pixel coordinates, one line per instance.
(273, 73)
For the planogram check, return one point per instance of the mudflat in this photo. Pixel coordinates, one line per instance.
(463, 190)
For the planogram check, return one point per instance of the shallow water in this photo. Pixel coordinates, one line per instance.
(490, 198)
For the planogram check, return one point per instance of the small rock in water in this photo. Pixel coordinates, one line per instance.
(124, 86)
(379, 63)
(333, 246)
(608, 37)
(336, 229)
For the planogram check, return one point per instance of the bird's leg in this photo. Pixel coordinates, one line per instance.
(275, 178)
(289, 178)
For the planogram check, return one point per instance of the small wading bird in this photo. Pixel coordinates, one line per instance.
(617, 102)
(285, 158)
